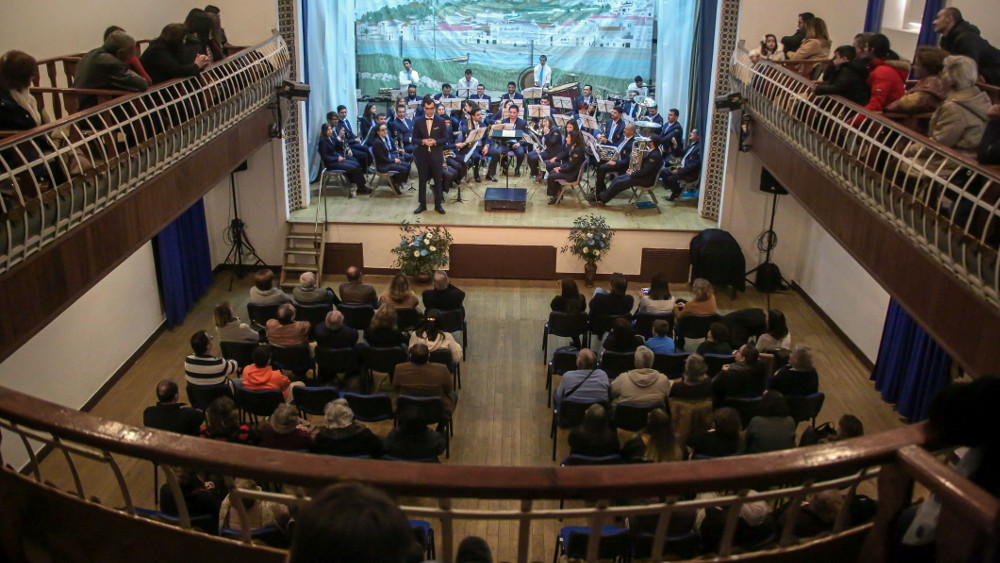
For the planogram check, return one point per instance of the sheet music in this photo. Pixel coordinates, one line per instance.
(483, 104)
(509, 132)
(451, 104)
(503, 126)
(588, 122)
(605, 105)
(562, 119)
(539, 110)
(562, 102)
(476, 134)
(532, 92)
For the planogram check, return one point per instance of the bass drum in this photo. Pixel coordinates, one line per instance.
(526, 79)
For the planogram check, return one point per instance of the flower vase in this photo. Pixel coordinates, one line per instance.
(589, 271)
(423, 277)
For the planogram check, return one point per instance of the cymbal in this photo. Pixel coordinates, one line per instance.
(647, 124)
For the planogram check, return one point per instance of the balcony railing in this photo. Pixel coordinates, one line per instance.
(447, 494)
(55, 177)
(944, 201)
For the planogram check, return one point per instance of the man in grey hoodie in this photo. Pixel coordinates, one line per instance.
(643, 385)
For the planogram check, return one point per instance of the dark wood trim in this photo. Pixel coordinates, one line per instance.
(870, 365)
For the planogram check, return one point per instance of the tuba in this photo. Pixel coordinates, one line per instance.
(640, 148)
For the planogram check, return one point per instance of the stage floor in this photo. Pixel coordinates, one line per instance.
(385, 207)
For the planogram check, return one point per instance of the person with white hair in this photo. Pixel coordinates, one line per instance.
(333, 333)
(286, 431)
(642, 385)
(443, 296)
(308, 293)
(959, 122)
(341, 435)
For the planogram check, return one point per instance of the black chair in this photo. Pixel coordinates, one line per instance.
(296, 359)
(746, 406)
(409, 319)
(370, 408)
(577, 459)
(644, 322)
(315, 313)
(566, 325)
(601, 324)
(633, 417)
(443, 356)
(200, 396)
(257, 402)
(382, 360)
(357, 316)
(312, 400)
(617, 363)
(615, 543)
(569, 415)
(331, 362)
(260, 314)
(424, 535)
(563, 360)
(204, 522)
(242, 352)
(429, 410)
(272, 536)
(682, 546)
(670, 365)
(716, 361)
(805, 407)
(693, 326)
(454, 321)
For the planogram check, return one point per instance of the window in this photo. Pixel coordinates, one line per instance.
(903, 15)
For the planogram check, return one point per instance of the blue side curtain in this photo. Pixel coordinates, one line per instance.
(702, 65)
(183, 263)
(674, 45)
(927, 34)
(911, 368)
(329, 67)
(873, 17)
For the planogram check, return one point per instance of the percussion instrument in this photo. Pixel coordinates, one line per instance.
(569, 90)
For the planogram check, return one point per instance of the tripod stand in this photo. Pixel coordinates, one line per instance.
(768, 278)
(236, 236)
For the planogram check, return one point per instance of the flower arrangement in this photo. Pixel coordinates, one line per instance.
(421, 249)
(590, 238)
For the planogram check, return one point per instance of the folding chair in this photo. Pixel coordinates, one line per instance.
(566, 325)
(576, 186)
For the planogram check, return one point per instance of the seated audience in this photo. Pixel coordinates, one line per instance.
(18, 108)
(642, 385)
(717, 341)
(383, 332)
(443, 296)
(722, 439)
(201, 367)
(702, 301)
(792, 42)
(847, 77)
(615, 302)
(743, 379)
(799, 377)
(285, 330)
(170, 414)
(754, 525)
(959, 122)
(201, 498)
(989, 148)
(436, 339)
(260, 374)
(569, 299)
(773, 428)
(284, 430)
(263, 291)
(341, 435)
(656, 443)
(587, 383)
(594, 437)
(930, 89)
(333, 333)
(356, 522)
(849, 426)
(473, 549)
(886, 77)
(662, 342)
(960, 37)
(657, 299)
(203, 36)
(164, 57)
(107, 68)
(230, 328)
(399, 295)
(355, 292)
(768, 50)
(816, 515)
(622, 337)
(222, 423)
(259, 513)
(133, 62)
(815, 44)
(412, 439)
(696, 385)
(777, 335)
(308, 293)
(422, 378)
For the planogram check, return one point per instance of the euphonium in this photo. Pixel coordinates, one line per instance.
(640, 148)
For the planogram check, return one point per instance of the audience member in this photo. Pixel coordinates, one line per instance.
(959, 122)
(106, 68)
(754, 525)
(622, 337)
(569, 299)
(816, 515)
(170, 414)
(399, 295)
(886, 77)
(263, 291)
(594, 437)
(230, 328)
(657, 299)
(443, 296)
(383, 332)
(768, 50)
(422, 378)
(473, 549)
(696, 385)
(847, 77)
(133, 62)
(815, 44)
(333, 333)
(217, 32)
(656, 443)
(989, 148)
(341, 435)
(849, 426)
(743, 379)
(18, 108)
(960, 37)
(260, 374)
(200, 40)
(412, 440)
(308, 293)
(285, 330)
(642, 385)
(615, 302)
(930, 89)
(259, 513)
(717, 341)
(586, 384)
(201, 367)
(792, 42)
(777, 335)
(662, 342)
(773, 428)
(284, 430)
(702, 301)
(352, 523)
(722, 440)
(355, 292)
(222, 423)
(164, 57)
(201, 498)
(436, 339)
(799, 377)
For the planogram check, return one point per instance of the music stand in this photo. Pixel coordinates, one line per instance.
(562, 102)
(588, 122)
(532, 93)
(452, 104)
(506, 133)
(395, 94)
(483, 104)
(605, 106)
(539, 110)
(562, 119)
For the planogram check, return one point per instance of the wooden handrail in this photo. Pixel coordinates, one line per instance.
(972, 503)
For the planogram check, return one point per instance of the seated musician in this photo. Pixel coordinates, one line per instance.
(551, 145)
(453, 121)
(568, 169)
(630, 106)
(332, 153)
(620, 165)
(411, 94)
(563, 154)
(387, 158)
(360, 150)
(652, 114)
(356, 151)
(689, 169)
(502, 148)
(480, 94)
(444, 93)
(614, 127)
(584, 103)
(401, 128)
(450, 144)
(512, 93)
(471, 124)
(644, 176)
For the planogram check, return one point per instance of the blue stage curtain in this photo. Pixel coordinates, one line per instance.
(674, 45)
(927, 34)
(329, 67)
(183, 263)
(873, 17)
(702, 65)
(911, 368)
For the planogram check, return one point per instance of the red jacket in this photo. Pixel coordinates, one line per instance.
(887, 84)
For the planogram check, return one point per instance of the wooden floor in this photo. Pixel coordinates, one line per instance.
(501, 417)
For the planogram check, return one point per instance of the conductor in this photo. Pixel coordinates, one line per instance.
(429, 135)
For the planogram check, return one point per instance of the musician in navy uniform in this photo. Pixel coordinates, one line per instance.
(332, 154)
(480, 95)
(401, 128)
(387, 158)
(552, 143)
(471, 124)
(583, 103)
(359, 150)
(411, 94)
(451, 144)
(444, 93)
(689, 170)
(429, 134)
(630, 107)
(653, 114)
(512, 93)
(500, 148)
(452, 121)
(568, 169)
(613, 129)
(673, 134)
(644, 176)
(620, 165)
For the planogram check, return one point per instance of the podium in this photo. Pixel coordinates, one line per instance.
(513, 199)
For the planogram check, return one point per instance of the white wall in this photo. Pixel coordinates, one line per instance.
(844, 19)
(982, 14)
(69, 360)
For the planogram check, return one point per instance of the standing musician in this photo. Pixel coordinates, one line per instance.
(429, 133)
(471, 124)
(673, 134)
(568, 169)
(614, 127)
(585, 102)
(543, 73)
(512, 93)
(402, 129)
(360, 150)
(408, 75)
(500, 148)
(551, 141)
(387, 158)
(644, 176)
(467, 85)
(620, 165)
(331, 152)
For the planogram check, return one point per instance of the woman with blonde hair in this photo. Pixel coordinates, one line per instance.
(656, 443)
(383, 332)
(399, 294)
(230, 328)
(259, 513)
(816, 45)
(702, 301)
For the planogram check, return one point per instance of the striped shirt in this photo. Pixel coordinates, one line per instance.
(207, 370)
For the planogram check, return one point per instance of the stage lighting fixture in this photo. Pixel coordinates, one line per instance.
(295, 91)
(729, 102)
